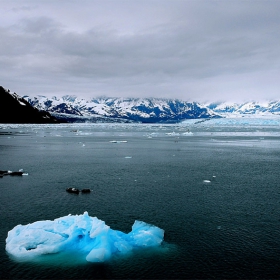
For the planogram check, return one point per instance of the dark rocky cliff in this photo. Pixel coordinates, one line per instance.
(14, 109)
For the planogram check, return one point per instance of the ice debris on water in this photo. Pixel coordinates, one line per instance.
(12, 173)
(115, 141)
(80, 234)
(188, 133)
(206, 181)
(172, 134)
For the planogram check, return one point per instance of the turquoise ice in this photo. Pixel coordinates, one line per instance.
(80, 234)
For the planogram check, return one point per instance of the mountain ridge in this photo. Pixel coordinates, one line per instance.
(151, 109)
(70, 108)
(257, 108)
(147, 110)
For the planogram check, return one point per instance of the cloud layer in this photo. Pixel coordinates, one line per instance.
(192, 50)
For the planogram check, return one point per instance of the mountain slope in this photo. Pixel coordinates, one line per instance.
(14, 109)
(227, 109)
(147, 110)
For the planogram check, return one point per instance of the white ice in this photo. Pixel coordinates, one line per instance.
(80, 234)
(188, 133)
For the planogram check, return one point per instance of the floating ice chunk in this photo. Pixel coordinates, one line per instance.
(172, 134)
(151, 135)
(115, 141)
(206, 181)
(81, 234)
(188, 133)
(127, 157)
(23, 173)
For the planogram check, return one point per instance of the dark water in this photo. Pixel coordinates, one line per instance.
(228, 228)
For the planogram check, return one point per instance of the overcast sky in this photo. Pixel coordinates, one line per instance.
(196, 50)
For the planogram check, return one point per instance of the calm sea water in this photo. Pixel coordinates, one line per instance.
(228, 228)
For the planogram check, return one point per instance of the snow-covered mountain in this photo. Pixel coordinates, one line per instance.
(146, 110)
(227, 109)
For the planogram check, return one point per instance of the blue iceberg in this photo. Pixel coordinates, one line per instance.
(80, 234)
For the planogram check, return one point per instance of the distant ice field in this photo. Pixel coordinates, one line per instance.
(211, 185)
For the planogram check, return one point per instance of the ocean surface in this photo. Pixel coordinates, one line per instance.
(213, 186)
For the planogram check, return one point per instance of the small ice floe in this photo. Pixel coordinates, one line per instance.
(188, 133)
(150, 135)
(206, 181)
(115, 141)
(172, 134)
(127, 157)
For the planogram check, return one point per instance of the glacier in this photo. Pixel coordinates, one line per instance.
(79, 234)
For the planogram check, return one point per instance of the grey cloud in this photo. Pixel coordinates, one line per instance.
(22, 8)
(194, 50)
(39, 26)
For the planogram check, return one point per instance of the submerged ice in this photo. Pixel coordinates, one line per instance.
(80, 234)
